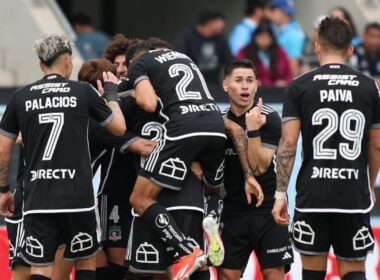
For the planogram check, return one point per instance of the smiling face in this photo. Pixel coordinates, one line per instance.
(240, 86)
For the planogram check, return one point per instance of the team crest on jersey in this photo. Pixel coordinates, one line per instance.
(114, 233)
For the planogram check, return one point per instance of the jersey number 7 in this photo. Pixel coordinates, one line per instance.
(57, 119)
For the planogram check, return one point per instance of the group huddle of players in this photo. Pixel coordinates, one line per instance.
(145, 117)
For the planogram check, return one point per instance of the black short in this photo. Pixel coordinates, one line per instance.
(44, 233)
(15, 231)
(243, 234)
(169, 162)
(350, 235)
(147, 253)
(115, 221)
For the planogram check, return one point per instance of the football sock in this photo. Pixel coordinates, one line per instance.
(102, 273)
(165, 226)
(38, 277)
(85, 274)
(313, 274)
(117, 272)
(201, 275)
(354, 275)
(135, 276)
(213, 205)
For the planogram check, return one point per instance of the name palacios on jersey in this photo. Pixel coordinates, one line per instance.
(336, 95)
(49, 102)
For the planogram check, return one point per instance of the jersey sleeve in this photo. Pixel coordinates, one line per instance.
(270, 133)
(375, 122)
(98, 108)
(137, 72)
(9, 125)
(290, 109)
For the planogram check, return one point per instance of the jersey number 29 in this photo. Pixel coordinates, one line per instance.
(351, 127)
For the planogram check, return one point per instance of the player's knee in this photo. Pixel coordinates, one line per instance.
(274, 273)
(354, 275)
(313, 274)
(228, 274)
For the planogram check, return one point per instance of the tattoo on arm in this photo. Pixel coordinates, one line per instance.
(4, 168)
(240, 144)
(285, 161)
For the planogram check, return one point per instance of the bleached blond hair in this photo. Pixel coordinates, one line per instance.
(50, 47)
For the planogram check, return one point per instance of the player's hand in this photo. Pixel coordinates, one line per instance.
(280, 212)
(253, 187)
(100, 87)
(7, 204)
(254, 120)
(110, 77)
(143, 147)
(196, 168)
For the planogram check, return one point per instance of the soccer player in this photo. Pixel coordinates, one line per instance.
(115, 53)
(52, 115)
(337, 110)
(116, 180)
(194, 131)
(247, 227)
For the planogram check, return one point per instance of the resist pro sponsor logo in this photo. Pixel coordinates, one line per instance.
(52, 174)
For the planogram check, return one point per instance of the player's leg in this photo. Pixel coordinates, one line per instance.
(352, 241)
(312, 239)
(41, 243)
(212, 162)
(21, 272)
(237, 241)
(79, 231)
(272, 246)
(61, 268)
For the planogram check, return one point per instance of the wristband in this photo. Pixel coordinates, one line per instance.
(110, 91)
(280, 195)
(4, 189)
(253, 133)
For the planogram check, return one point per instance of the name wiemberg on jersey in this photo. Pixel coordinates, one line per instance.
(165, 57)
(49, 102)
(52, 174)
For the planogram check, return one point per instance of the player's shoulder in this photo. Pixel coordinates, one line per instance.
(271, 114)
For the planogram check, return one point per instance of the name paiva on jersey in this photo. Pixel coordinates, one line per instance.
(51, 102)
(333, 80)
(334, 95)
(48, 174)
(192, 108)
(335, 173)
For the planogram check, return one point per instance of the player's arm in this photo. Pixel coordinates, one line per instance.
(236, 133)
(6, 197)
(373, 157)
(141, 146)
(146, 96)
(285, 158)
(259, 157)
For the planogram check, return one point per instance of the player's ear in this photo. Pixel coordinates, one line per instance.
(350, 51)
(42, 66)
(225, 85)
(317, 48)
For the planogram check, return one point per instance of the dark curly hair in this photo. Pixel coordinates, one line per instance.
(118, 46)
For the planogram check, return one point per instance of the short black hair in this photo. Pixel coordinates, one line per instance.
(372, 25)
(158, 43)
(135, 47)
(252, 5)
(81, 19)
(335, 33)
(207, 15)
(238, 63)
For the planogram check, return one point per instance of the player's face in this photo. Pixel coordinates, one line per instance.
(372, 40)
(241, 87)
(121, 68)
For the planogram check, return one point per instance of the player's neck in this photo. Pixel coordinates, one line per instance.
(238, 111)
(54, 70)
(332, 59)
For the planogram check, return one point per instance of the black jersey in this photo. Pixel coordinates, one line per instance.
(149, 126)
(187, 105)
(53, 116)
(235, 202)
(336, 106)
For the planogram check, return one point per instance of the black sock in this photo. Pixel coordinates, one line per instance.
(117, 272)
(102, 273)
(213, 205)
(85, 275)
(165, 226)
(313, 274)
(135, 276)
(201, 275)
(354, 275)
(38, 277)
